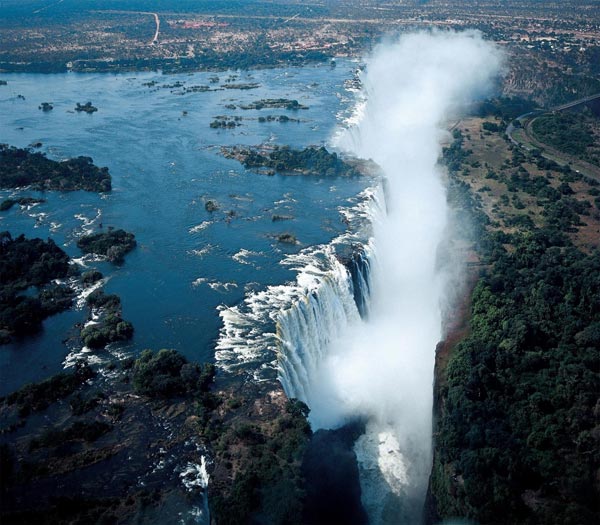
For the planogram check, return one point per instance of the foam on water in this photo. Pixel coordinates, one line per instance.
(199, 227)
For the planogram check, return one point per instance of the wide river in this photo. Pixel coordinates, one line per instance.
(165, 162)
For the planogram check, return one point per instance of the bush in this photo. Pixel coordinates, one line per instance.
(167, 374)
(113, 244)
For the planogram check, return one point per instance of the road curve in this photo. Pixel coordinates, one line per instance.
(552, 154)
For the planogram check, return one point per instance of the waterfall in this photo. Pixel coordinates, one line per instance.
(307, 328)
(276, 332)
(361, 342)
(359, 266)
(355, 334)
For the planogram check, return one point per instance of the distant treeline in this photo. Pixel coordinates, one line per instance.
(210, 60)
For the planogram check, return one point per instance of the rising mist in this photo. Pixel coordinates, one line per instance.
(382, 368)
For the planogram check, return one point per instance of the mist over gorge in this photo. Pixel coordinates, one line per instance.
(380, 367)
(288, 263)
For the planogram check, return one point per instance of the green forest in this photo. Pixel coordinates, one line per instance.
(518, 424)
(516, 431)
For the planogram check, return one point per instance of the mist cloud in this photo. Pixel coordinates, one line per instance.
(382, 368)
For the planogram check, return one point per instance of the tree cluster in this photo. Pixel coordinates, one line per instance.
(27, 267)
(568, 132)
(110, 327)
(316, 161)
(113, 244)
(518, 423)
(167, 373)
(23, 167)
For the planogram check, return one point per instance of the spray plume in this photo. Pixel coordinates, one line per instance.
(382, 368)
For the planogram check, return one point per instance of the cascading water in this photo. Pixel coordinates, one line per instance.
(307, 329)
(277, 329)
(380, 366)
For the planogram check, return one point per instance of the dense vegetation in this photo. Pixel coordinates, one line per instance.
(454, 154)
(569, 132)
(516, 438)
(34, 397)
(109, 327)
(505, 108)
(314, 161)
(113, 244)
(23, 167)
(518, 426)
(167, 374)
(27, 266)
(269, 487)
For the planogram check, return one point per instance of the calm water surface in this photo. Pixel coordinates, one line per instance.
(165, 164)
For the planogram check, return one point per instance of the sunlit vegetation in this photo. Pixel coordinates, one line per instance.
(570, 133)
(515, 435)
(518, 423)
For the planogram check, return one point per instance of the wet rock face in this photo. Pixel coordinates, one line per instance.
(357, 262)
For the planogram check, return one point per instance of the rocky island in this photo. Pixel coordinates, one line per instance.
(28, 292)
(7, 204)
(86, 108)
(274, 103)
(283, 159)
(20, 167)
(113, 244)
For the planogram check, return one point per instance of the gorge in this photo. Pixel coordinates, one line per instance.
(373, 358)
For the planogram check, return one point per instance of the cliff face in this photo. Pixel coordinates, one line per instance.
(516, 395)
(443, 482)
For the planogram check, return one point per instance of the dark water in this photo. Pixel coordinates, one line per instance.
(164, 166)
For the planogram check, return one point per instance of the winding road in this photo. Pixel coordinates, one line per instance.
(529, 142)
(154, 40)
(157, 20)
